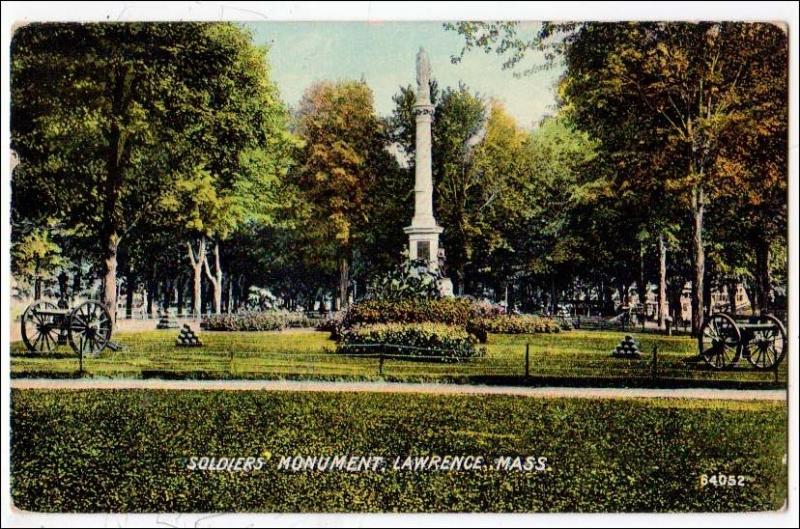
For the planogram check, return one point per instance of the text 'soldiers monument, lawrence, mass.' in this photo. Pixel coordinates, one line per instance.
(423, 233)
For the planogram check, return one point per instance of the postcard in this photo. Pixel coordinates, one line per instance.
(513, 266)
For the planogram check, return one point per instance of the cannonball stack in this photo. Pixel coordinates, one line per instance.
(627, 348)
(187, 338)
(167, 320)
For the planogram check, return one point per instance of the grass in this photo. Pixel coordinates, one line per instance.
(574, 357)
(127, 451)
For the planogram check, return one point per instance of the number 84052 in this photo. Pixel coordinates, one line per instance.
(723, 480)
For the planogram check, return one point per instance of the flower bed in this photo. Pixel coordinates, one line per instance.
(255, 321)
(450, 311)
(446, 343)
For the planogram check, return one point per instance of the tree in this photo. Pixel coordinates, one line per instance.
(345, 148)
(688, 92)
(35, 256)
(128, 110)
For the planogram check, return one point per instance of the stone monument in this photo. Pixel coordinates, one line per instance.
(423, 233)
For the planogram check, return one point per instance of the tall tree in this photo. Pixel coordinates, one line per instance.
(345, 148)
(123, 114)
(691, 90)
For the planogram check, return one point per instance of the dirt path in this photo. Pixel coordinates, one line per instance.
(401, 387)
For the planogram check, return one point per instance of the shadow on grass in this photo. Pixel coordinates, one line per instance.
(489, 380)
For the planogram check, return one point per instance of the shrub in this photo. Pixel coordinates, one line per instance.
(411, 279)
(450, 311)
(332, 323)
(449, 343)
(486, 309)
(254, 321)
(511, 324)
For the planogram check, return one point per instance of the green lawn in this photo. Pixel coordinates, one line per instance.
(118, 451)
(579, 356)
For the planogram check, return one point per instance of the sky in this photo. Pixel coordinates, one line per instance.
(384, 54)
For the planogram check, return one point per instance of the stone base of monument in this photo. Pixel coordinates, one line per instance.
(627, 348)
(187, 338)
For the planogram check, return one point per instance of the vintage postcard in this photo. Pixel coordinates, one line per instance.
(392, 266)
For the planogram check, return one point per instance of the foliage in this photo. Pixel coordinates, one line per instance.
(450, 311)
(332, 323)
(35, 256)
(688, 116)
(255, 321)
(410, 279)
(155, 126)
(511, 324)
(427, 341)
(344, 155)
(260, 299)
(135, 445)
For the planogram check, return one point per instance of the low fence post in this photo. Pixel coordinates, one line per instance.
(380, 363)
(654, 364)
(80, 362)
(527, 360)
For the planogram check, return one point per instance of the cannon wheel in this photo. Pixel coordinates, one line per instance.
(719, 341)
(768, 347)
(89, 328)
(39, 331)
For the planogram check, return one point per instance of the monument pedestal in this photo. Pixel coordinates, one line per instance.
(423, 243)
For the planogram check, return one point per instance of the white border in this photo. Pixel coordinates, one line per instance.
(84, 11)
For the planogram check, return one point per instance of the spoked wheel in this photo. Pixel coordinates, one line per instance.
(768, 346)
(89, 328)
(719, 341)
(40, 331)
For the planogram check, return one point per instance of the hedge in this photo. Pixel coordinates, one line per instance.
(450, 311)
(511, 324)
(255, 321)
(447, 342)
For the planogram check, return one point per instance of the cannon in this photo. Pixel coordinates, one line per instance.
(724, 339)
(86, 327)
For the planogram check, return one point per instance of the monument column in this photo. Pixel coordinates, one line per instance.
(423, 233)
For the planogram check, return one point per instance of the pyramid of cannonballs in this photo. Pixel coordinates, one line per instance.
(627, 348)
(187, 338)
(167, 320)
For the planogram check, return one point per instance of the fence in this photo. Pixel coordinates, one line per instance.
(521, 365)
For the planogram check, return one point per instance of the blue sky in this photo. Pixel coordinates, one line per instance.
(384, 54)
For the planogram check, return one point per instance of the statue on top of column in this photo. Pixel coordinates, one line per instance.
(423, 77)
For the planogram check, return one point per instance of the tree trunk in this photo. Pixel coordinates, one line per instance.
(215, 279)
(62, 286)
(642, 287)
(662, 282)
(37, 282)
(763, 289)
(115, 161)
(179, 282)
(197, 275)
(230, 296)
(698, 258)
(129, 289)
(344, 280)
(77, 279)
(151, 295)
